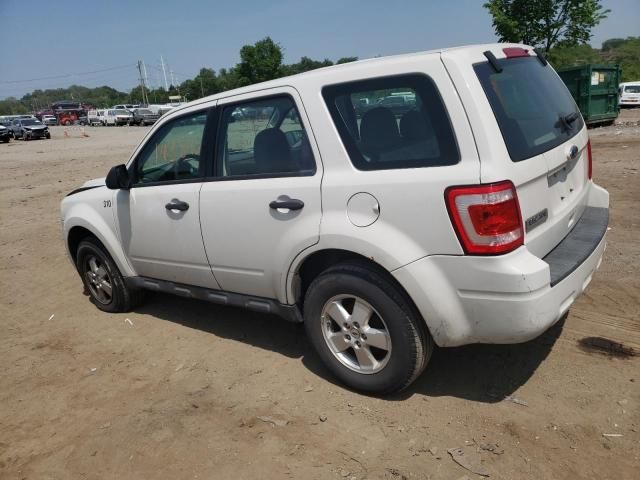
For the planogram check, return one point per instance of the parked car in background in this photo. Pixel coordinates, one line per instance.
(29, 129)
(125, 106)
(49, 120)
(5, 133)
(629, 94)
(117, 117)
(144, 116)
(95, 117)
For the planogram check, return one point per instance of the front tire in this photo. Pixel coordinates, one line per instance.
(102, 279)
(365, 330)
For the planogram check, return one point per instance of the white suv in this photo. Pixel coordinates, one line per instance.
(469, 217)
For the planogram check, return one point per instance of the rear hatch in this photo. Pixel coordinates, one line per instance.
(540, 142)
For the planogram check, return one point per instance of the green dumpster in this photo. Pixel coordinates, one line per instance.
(595, 90)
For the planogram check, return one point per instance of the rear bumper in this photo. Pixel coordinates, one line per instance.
(509, 298)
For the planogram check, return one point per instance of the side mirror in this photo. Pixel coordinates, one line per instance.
(118, 178)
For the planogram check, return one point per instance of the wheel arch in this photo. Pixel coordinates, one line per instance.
(315, 263)
(78, 228)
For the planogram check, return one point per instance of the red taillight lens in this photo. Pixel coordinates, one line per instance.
(486, 218)
(589, 160)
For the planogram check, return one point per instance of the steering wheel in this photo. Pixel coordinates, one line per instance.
(183, 166)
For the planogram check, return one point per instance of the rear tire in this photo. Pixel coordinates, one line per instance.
(365, 330)
(102, 279)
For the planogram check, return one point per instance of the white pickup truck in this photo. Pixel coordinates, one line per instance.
(468, 214)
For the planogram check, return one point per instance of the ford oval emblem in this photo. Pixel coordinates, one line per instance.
(573, 152)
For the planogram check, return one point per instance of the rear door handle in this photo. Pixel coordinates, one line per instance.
(177, 205)
(291, 204)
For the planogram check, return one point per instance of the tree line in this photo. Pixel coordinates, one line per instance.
(263, 61)
(259, 62)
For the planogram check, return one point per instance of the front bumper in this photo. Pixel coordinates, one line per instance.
(510, 298)
(35, 133)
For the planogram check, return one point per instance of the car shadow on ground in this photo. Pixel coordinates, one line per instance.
(483, 373)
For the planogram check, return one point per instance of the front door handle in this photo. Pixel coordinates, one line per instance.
(291, 204)
(177, 205)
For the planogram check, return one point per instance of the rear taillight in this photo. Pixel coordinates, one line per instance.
(589, 160)
(486, 218)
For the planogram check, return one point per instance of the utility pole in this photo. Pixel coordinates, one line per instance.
(145, 100)
(146, 78)
(164, 72)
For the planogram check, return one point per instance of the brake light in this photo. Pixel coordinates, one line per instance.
(486, 218)
(589, 161)
(515, 52)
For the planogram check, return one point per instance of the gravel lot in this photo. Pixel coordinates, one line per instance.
(193, 390)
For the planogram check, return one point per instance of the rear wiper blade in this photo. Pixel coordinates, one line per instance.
(570, 118)
(567, 120)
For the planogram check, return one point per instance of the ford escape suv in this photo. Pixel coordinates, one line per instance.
(470, 216)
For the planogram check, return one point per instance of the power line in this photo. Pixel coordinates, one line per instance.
(121, 67)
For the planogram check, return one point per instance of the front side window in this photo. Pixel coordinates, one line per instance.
(263, 137)
(534, 109)
(392, 122)
(173, 153)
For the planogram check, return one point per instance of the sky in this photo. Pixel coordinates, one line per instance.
(99, 43)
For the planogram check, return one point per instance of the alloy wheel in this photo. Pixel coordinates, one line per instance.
(98, 280)
(356, 334)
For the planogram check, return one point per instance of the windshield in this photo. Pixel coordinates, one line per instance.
(632, 89)
(144, 112)
(30, 122)
(534, 109)
(122, 112)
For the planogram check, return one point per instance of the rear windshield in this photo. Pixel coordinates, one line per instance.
(532, 106)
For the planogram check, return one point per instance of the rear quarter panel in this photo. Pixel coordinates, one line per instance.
(413, 221)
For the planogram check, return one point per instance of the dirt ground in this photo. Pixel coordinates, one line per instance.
(191, 390)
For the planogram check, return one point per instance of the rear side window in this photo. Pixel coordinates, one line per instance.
(264, 137)
(392, 122)
(534, 109)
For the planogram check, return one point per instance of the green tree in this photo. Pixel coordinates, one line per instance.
(545, 23)
(304, 65)
(12, 106)
(612, 43)
(260, 62)
(568, 56)
(346, 60)
(627, 55)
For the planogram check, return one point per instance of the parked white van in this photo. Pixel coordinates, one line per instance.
(95, 117)
(117, 117)
(471, 217)
(629, 94)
